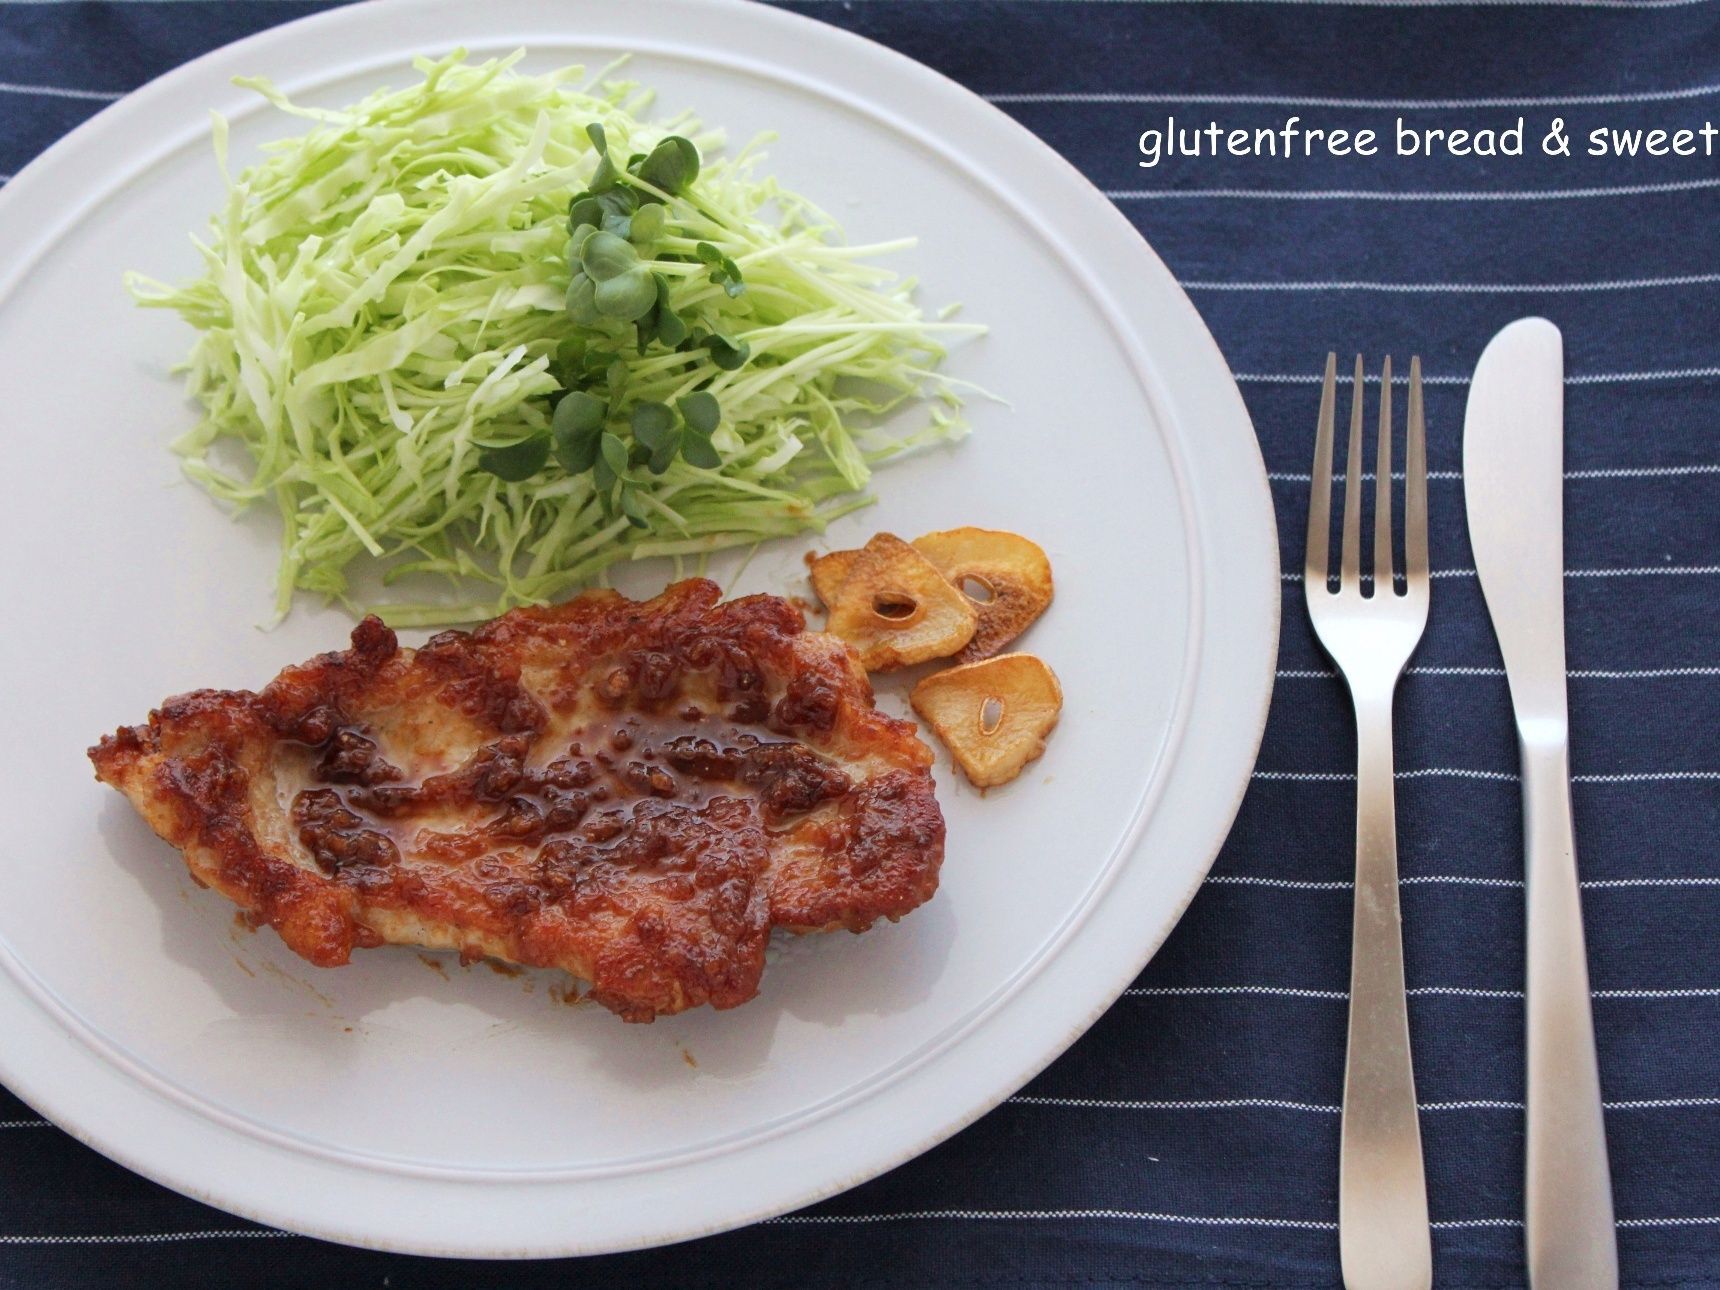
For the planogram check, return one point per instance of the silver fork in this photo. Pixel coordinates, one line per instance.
(1382, 1192)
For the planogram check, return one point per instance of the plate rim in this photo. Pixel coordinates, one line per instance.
(89, 136)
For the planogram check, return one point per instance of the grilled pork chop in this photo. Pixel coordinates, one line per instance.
(635, 792)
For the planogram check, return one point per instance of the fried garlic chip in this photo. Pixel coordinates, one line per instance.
(896, 609)
(829, 572)
(993, 715)
(1011, 573)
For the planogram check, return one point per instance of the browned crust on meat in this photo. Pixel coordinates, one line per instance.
(635, 792)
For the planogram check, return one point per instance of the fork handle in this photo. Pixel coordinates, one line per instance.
(1383, 1231)
(1568, 1212)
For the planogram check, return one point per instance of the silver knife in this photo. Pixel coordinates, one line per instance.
(1513, 483)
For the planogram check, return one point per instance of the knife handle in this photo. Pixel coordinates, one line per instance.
(1568, 1210)
(1383, 1235)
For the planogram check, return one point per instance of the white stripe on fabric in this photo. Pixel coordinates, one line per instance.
(1461, 288)
(1588, 378)
(59, 92)
(1425, 772)
(1120, 1104)
(1575, 674)
(1640, 472)
(1398, 4)
(1348, 776)
(148, 1238)
(1309, 776)
(1148, 1216)
(186, 2)
(1053, 1215)
(1661, 1103)
(1600, 472)
(1416, 195)
(23, 1124)
(1641, 571)
(1645, 777)
(837, 1220)
(1460, 772)
(1449, 879)
(1368, 476)
(1617, 378)
(1287, 991)
(1454, 991)
(1402, 105)
(1625, 674)
(1392, 4)
(1332, 1108)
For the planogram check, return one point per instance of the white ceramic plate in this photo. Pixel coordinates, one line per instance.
(384, 1105)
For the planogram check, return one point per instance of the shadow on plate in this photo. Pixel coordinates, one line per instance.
(398, 996)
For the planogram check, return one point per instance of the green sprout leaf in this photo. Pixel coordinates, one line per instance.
(663, 456)
(698, 450)
(578, 453)
(652, 423)
(612, 453)
(728, 353)
(593, 210)
(671, 166)
(633, 508)
(584, 211)
(724, 272)
(516, 462)
(576, 427)
(579, 412)
(604, 256)
(671, 329)
(630, 296)
(660, 321)
(647, 225)
(582, 300)
(606, 176)
(578, 362)
(702, 411)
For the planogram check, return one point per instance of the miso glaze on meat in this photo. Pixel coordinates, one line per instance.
(634, 792)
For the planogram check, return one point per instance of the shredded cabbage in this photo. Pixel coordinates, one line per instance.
(382, 300)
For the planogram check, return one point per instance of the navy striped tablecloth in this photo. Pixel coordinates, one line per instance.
(1191, 1137)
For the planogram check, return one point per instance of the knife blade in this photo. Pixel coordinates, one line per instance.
(1513, 483)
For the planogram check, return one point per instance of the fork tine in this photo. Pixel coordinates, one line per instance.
(1350, 572)
(1415, 484)
(1316, 567)
(1383, 488)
